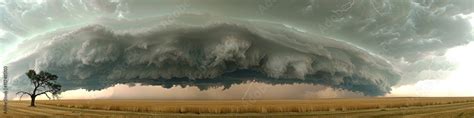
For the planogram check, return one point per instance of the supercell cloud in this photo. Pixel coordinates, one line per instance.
(221, 52)
(364, 46)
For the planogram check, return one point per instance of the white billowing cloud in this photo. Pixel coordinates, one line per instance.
(457, 82)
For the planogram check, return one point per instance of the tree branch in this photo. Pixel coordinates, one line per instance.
(42, 82)
(44, 92)
(47, 96)
(23, 93)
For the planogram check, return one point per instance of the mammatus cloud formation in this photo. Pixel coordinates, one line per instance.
(366, 46)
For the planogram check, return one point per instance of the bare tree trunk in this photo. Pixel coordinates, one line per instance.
(33, 101)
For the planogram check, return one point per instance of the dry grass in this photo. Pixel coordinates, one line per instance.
(252, 106)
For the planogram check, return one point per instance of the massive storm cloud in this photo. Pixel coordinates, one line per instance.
(363, 46)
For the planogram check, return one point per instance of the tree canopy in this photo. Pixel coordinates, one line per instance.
(43, 83)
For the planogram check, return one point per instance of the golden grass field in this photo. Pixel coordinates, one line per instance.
(356, 107)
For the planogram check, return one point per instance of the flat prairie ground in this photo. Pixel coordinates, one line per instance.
(355, 107)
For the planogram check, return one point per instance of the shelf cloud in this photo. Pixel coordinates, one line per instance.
(364, 46)
(224, 53)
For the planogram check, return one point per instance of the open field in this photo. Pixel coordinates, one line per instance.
(376, 107)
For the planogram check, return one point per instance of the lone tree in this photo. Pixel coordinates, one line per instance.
(44, 83)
